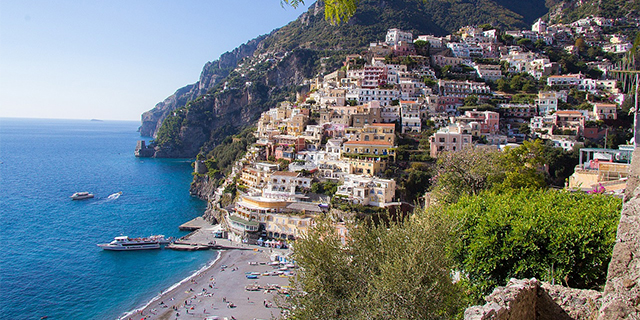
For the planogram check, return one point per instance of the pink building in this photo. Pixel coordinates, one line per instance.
(489, 121)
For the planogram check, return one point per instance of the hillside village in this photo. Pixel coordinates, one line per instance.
(336, 147)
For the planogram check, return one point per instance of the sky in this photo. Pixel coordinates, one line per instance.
(115, 59)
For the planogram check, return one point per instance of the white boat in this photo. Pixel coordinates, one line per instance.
(81, 195)
(124, 243)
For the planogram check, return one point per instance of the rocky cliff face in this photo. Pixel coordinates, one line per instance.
(212, 73)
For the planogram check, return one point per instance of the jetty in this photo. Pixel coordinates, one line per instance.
(195, 224)
(203, 237)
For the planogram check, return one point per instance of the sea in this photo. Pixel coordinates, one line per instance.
(50, 266)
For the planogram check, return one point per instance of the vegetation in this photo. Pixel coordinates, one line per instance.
(169, 132)
(551, 235)
(328, 188)
(394, 271)
(471, 171)
(221, 158)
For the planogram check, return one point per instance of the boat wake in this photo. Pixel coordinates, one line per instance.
(114, 196)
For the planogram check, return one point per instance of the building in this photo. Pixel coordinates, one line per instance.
(523, 111)
(369, 148)
(602, 168)
(395, 36)
(410, 116)
(285, 183)
(569, 120)
(488, 121)
(547, 102)
(488, 71)
(368, 191)
(605, 111)
(463, 89)
(445, 140)
(569, 80)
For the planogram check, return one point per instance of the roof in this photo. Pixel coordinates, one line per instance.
(383, 124)
(371, 143)
(243, 221)
(569, 112)
(285, 173)
(566, 76)
(306, 206)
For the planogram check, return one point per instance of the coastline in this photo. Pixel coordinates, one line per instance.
(210, 291)
(173, 287)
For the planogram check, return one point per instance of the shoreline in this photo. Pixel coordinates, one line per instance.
(218, 289)
(157, 297)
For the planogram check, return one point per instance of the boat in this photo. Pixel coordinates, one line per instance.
(81, 195)
(124, 243)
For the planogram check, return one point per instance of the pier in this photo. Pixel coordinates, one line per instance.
(203, 238)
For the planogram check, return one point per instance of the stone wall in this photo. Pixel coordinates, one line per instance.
(531, 299)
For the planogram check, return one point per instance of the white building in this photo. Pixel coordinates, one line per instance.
(395, 36)
(488, 71)
(371, 191)
(366, 95)
(410, 115)
(547, 102)
(283, 184)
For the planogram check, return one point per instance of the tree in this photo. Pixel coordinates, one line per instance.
(335, 11)
(394, 270)
(465, 172)
(523, 166)
(471, 100)
(551, 235)
(524, 128)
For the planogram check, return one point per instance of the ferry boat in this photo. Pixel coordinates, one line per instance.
(124, 243)
(81, 195)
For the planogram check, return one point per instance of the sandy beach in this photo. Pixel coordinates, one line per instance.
(220, 290)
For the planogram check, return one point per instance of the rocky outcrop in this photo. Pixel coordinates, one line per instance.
(534, 300)
(622, 290)
(204, 188)
(212, 73)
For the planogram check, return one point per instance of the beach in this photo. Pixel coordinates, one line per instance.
(219, 290)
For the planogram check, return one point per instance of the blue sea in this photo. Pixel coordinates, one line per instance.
(49, 262)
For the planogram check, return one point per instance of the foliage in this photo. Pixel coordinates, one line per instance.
(416, 182)
(560, 163)
(169, 132)
(472, 170)
(551, 235)
(385, 271)
(523, 166)
(465, 172)
(516, 83)
(230, 150)
(327, 188)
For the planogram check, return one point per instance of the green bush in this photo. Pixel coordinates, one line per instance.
(548, 234)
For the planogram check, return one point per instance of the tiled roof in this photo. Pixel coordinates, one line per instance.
(285, 173)
(383, 124)
(377, 143)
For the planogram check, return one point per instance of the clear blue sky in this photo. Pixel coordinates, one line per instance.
(114, 59)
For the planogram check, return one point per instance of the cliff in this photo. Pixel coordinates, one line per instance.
(212, 73)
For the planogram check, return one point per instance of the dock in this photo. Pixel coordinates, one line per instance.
(187, 246)
(194, 224)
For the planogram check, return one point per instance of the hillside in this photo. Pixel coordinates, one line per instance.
(271, 68)
(568, 11)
